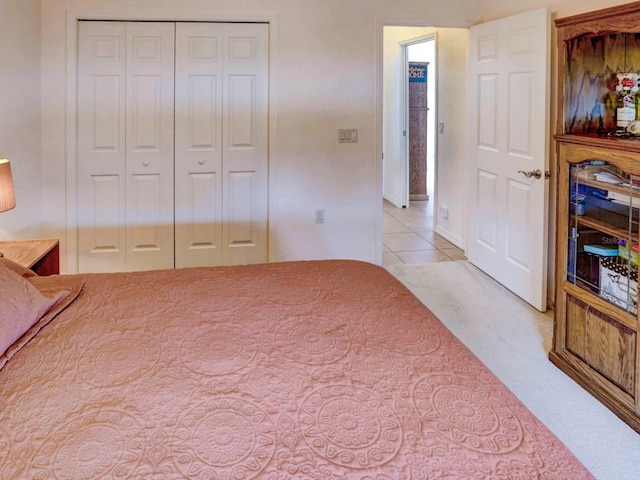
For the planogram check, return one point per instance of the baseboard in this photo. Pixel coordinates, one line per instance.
(447, 235)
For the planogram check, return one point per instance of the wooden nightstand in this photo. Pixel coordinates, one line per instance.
(41, 256)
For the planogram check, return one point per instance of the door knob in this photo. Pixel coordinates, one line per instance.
(533, 173)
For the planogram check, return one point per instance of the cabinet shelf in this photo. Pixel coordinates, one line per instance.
(612, 187)
(603, 227)
(627, 143)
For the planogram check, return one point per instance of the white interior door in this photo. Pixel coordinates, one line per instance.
(146, 201)
(101, 146)
(509, 125)
(125, 146)
(221, 143)
(149, 152)
(245, 91)
(198, 155)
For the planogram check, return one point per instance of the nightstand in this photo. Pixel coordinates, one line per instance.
(41, 256)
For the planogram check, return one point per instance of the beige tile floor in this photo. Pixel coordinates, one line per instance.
(408, 237)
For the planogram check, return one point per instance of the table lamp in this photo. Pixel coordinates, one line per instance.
(7, 195)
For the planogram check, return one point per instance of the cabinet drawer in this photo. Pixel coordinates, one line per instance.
(606, 345)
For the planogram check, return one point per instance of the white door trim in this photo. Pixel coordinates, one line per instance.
(432, 37)
(69, 244)
(404, 114)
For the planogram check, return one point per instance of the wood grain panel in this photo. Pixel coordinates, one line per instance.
(40, 255)
(603, 343)
(611, 349)
(592, 64)
(576, 315)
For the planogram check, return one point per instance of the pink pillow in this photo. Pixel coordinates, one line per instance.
(19, 269)
(21, 306)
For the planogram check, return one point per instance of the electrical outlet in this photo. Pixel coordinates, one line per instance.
(320, 215)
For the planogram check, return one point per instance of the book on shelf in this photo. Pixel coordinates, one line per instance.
(602, 250)
(624, 199)
(608, 177)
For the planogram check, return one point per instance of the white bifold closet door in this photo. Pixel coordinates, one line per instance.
(172, 145)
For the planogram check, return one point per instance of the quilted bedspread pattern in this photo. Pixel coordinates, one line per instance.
(309, 370)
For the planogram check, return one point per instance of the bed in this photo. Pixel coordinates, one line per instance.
(308, 370)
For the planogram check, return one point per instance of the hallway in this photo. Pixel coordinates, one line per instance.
(408, 237)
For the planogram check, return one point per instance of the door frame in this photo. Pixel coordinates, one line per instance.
(382, 22)
(432, 82)
(74, 16)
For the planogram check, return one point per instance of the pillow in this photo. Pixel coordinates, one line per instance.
(21, 306)
(19, 269)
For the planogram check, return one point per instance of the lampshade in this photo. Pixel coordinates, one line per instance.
(7, 196)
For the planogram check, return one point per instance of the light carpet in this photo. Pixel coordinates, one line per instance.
(513, 339)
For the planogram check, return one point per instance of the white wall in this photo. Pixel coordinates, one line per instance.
(451, 52)
(326, 59)
(452, 162)
(492, 9)
(325, 62)
(20, 113)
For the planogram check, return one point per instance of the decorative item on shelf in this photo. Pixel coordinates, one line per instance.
(619, 284)
(7, 195)
(626, 89)
(629, 253)
(634, 127)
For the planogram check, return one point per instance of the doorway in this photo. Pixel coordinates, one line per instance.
(403, 45)
(420, 105)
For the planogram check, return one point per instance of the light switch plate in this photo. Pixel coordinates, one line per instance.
(348, 135)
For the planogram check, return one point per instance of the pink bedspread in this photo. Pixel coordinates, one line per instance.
(314, 370)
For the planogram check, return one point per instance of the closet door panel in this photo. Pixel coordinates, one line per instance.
(145, 213)
(241, 192)
(242, 112)
(101, 152)
(245, 143)
(149, 133)
(202, 190)
(173, 153)
(198, 153)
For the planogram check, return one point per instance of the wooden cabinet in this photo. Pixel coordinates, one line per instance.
(40, 255)
(598, 204)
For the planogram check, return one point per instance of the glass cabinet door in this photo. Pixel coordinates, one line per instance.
(603, 232)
